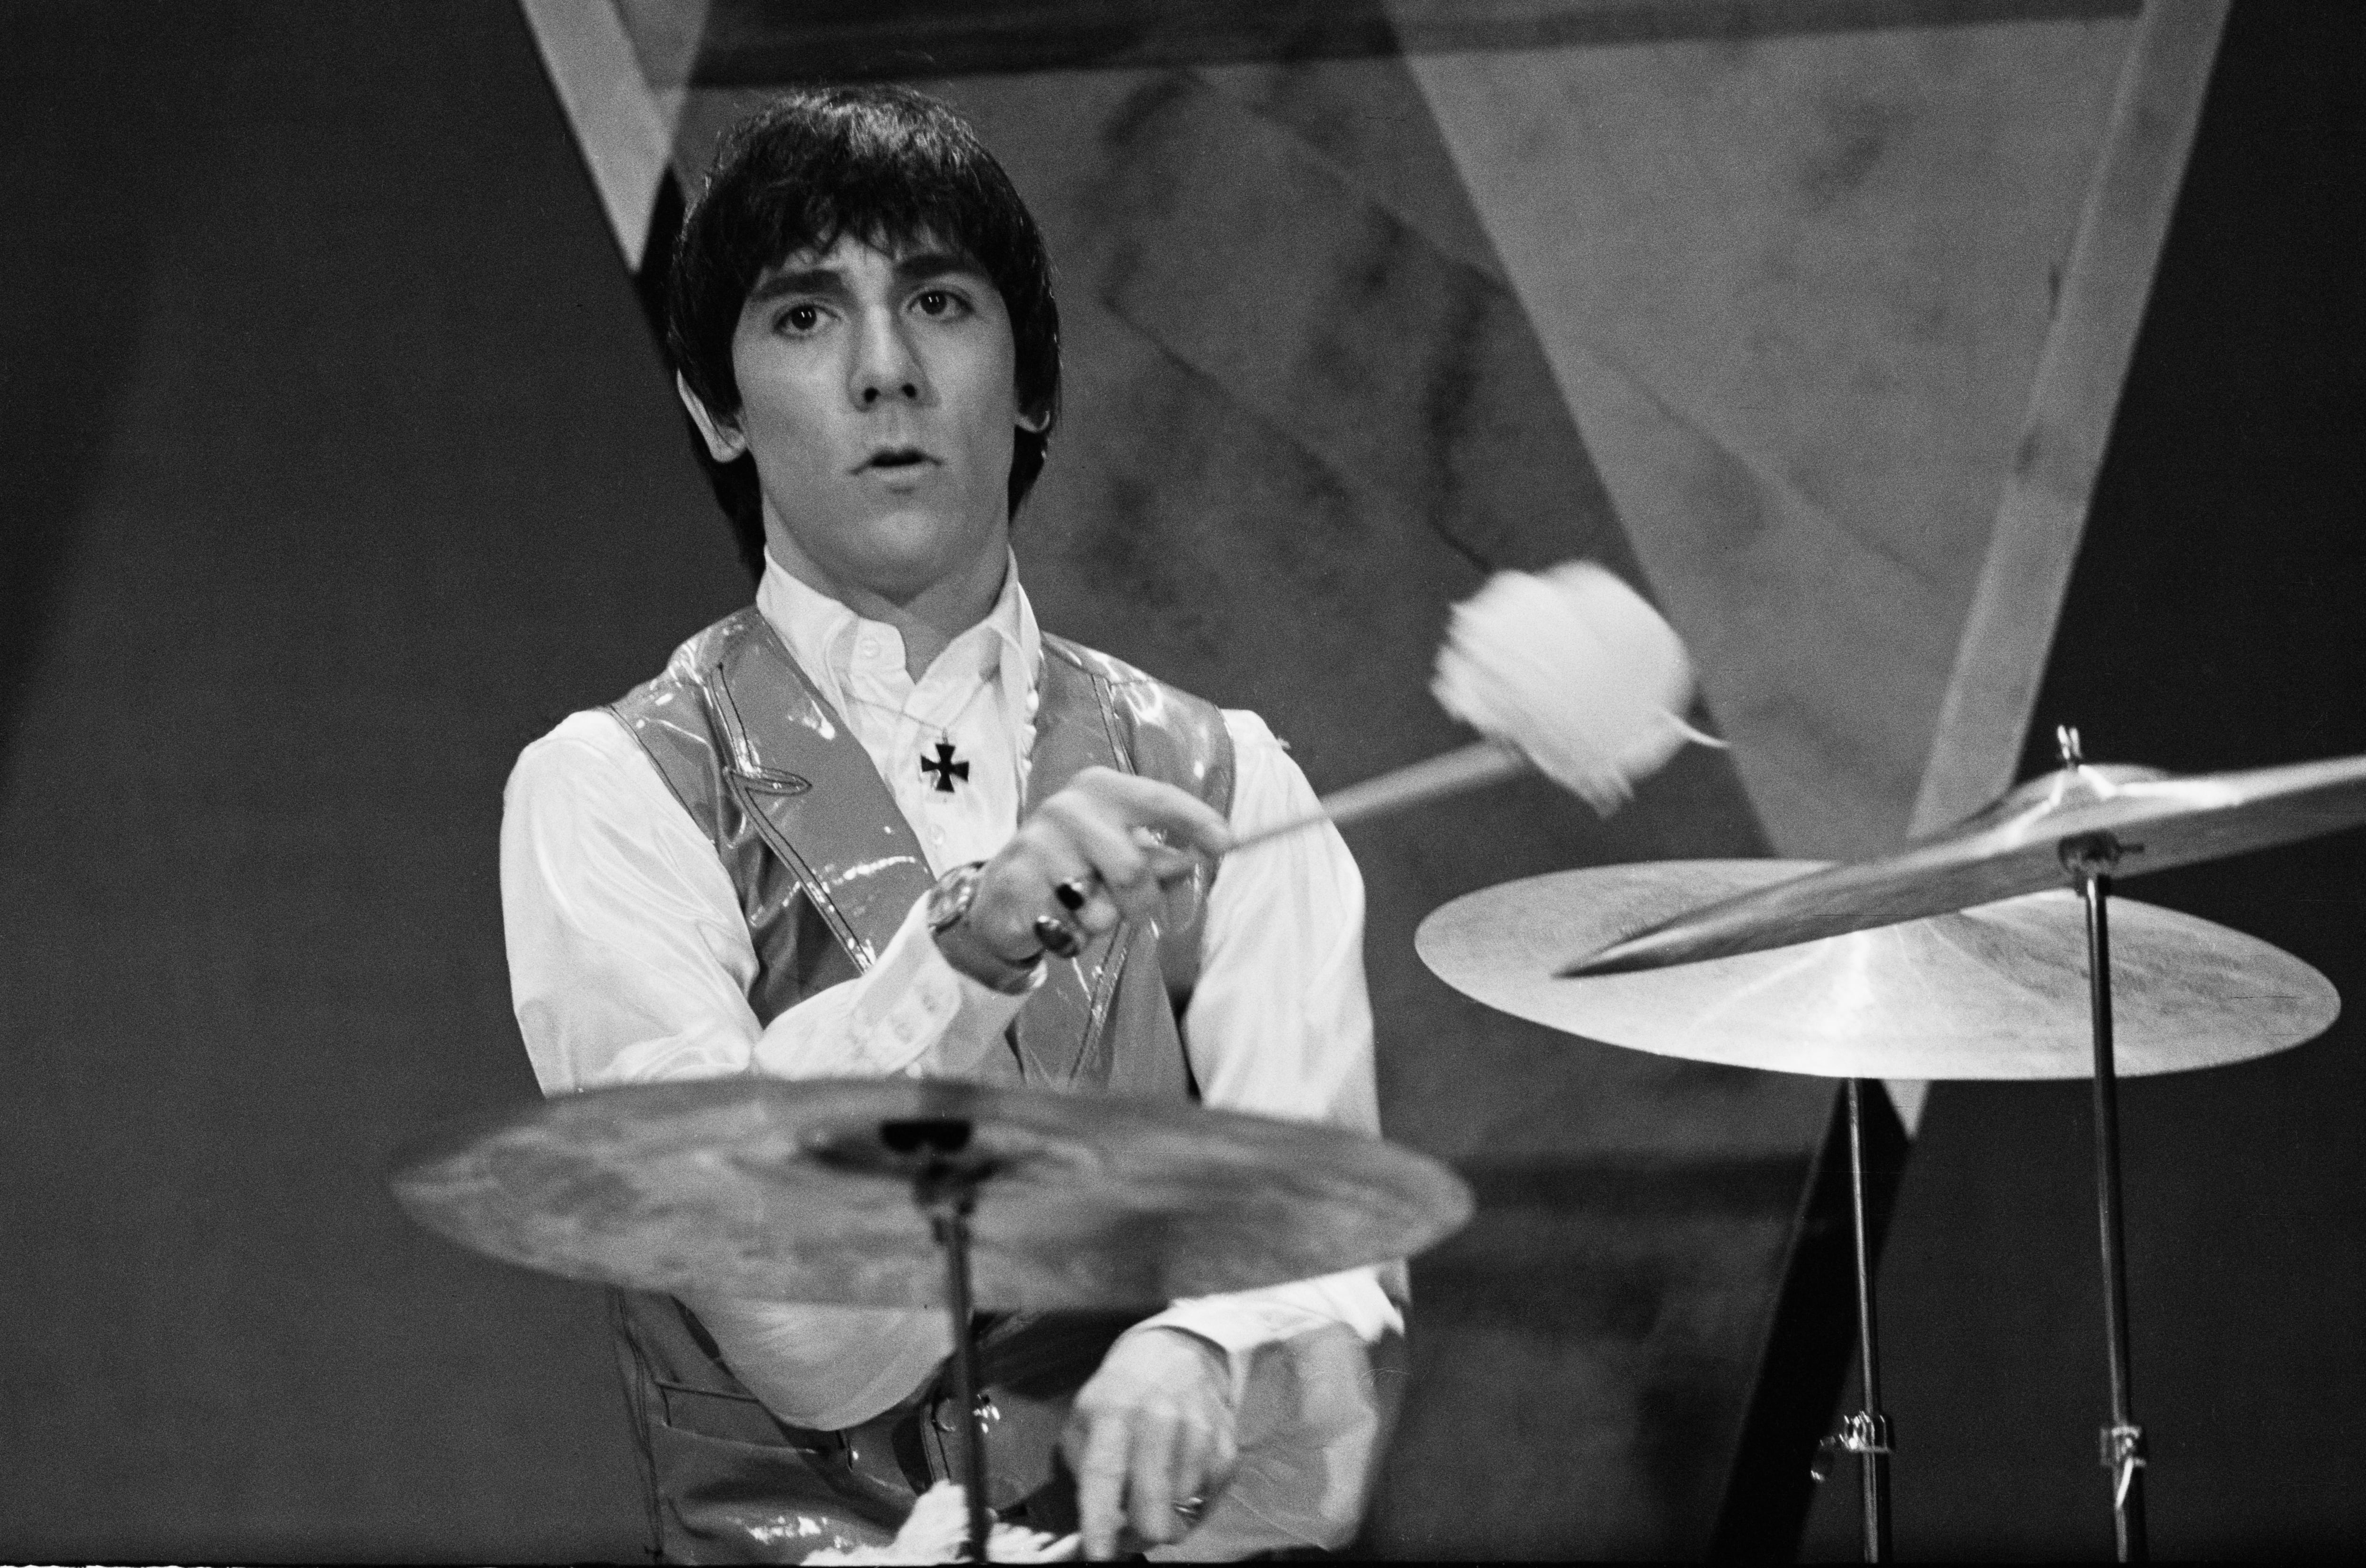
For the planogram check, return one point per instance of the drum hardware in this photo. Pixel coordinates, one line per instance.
(2011, 848)
(2081, 814)
(1968, 993)
(2089, 859)
(1866, 1431)
(1995, 993)
(1860, 1432)
(1863, 1431)
(920, 1192)
(944, 1188)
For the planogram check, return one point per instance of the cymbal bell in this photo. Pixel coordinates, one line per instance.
(1998, 991)
(803, 1190)
(2154, 821)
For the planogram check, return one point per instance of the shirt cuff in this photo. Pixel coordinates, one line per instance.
(913, 1013)
(1241, 1323)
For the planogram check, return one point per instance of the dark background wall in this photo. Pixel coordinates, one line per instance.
(340, 464)
(328, 411)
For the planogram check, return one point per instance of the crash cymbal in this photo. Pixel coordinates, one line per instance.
(2011, 847)
(802, 1191)
(1995, 992)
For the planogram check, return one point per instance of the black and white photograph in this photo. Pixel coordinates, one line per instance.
(929, 781)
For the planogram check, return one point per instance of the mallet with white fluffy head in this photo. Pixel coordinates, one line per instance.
(1567, 671)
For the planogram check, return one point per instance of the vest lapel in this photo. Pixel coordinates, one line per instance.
(812, 792)
(1063, 1026)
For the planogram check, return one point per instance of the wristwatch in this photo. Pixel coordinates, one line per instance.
(947, 905)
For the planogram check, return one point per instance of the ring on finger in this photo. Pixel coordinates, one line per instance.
(1057, 936)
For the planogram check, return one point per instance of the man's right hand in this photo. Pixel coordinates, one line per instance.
(1088, 836)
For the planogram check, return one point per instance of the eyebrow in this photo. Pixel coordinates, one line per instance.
(922, 266)
(919, 267)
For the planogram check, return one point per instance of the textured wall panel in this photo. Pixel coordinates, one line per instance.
(1795, 290)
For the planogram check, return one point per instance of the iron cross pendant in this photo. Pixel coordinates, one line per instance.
(944, 768)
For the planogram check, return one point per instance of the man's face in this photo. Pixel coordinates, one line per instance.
(876, 392)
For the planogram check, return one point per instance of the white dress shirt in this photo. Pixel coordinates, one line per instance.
(630, 960)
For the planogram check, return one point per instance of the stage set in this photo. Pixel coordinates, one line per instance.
(1847, 1147)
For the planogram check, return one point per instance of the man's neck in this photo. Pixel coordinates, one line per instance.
(926, 620)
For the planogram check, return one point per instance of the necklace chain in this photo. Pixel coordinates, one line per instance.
(945, 730)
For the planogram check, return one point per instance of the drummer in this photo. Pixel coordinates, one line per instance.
(880, 823)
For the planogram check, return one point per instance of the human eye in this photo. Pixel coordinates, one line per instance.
(941, 304)
(800, 318)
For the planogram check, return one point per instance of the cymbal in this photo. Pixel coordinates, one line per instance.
(801, 1190)
(1995, 992)
(2011, 847)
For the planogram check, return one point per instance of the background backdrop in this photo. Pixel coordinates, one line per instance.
(341, 464)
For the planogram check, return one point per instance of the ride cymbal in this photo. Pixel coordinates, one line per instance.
(1994, 992)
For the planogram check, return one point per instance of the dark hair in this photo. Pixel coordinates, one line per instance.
(884, 166)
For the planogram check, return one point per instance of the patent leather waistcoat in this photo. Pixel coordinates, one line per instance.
(827, 868)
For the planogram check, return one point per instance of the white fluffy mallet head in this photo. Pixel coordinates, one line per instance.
(1572, 669)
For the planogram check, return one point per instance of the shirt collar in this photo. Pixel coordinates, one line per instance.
(820, 633)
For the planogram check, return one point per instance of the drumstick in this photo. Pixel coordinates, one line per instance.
(1435, 778)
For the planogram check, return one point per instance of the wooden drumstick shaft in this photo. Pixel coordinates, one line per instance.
(1416, 783)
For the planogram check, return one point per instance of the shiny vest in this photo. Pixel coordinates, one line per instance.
(827, 868)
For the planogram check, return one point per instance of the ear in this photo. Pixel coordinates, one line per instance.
(723, 441)
(1035, 424)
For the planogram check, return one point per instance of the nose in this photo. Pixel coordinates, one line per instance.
(886, 369)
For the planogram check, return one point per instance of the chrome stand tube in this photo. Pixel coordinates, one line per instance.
(1866, 1433)
(2122, 1449)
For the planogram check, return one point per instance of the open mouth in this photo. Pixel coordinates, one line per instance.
(894, 460)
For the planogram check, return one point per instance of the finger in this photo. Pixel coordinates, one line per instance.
(1084, 903)
(1099, 917)
(1168, 864)
(1188, 1481)
(1017, 885)
(1060, 938)
(1151, 804)
(1223, 1457)
(1099, 1459)
(1151, 1476)
(1101, 834)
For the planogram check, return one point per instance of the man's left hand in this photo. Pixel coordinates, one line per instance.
(1151, 1439)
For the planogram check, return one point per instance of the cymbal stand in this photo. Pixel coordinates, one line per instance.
(2089, 859)
(1865, 1431)
(946, 1190)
